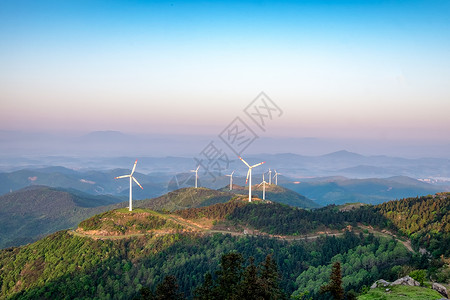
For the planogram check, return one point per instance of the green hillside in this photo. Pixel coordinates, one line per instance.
(184, 198)
(116, 253)
(123, 222)
(33, 212)
(65, 265)
(426, 220)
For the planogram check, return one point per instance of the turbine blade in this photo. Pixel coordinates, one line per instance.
(137, 182)
(123, 176)
(258, 164)
(244, 161)
(232, 173)
(197, 168)
(248, 173)
(134, 167)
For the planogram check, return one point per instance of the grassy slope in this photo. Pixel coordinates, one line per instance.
(123, 222)
(185, 198)
(401, 292)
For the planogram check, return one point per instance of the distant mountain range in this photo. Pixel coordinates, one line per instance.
(340, 163)
(339, 190)
(296, 174)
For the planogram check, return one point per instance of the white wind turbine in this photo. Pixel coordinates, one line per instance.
(249, 175)
(196, 175)
(276, 177)
(270, 176)
(264, 187)
(231, 180)
(130, 208)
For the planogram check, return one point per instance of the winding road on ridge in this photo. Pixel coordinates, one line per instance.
(205, 230)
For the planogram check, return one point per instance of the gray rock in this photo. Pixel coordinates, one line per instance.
(440, 289)
(380, 283)
(406, 281)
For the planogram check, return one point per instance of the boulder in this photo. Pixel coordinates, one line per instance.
(407, 280)
(440, 289)
(380, 283)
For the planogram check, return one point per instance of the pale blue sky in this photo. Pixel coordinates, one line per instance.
(369, 69)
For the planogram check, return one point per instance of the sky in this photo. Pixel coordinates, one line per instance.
(375, 70)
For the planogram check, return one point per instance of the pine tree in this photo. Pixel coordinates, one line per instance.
(270, 279)
(206, 290)
(229, 275)
(168, 289)
(145, 294)
(335, 285)
(251, 285)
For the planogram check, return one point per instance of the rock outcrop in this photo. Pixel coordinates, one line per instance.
(380, 283)
(440, 289)
(407, 280)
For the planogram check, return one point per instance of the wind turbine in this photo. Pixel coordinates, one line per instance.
(249, 175)
(264, 187)
(276, 177)
(196, 175)
(131, 183)
(270, 176)
(231, 180)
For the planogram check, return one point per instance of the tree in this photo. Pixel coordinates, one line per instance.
(251, 286)
(145, 294)
(206, 290)
(418, 275)
(168, 289)
(270, 279)
(334, 287)
(229, 275)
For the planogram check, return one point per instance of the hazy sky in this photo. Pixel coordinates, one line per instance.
(372, 69)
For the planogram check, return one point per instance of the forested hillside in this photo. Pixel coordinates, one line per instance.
(118, 254)
(63, 265)
(36, 211)
(426, 220)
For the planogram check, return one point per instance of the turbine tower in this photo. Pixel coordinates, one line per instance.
(270, 176)
(196, 175)
(231, 180)
(264, 187)
(276, 177)
(249, 175)
(131, 184)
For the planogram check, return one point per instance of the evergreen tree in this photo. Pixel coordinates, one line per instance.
(145, 294)
(168, 289)
(229, 275)
(334, 287)
(206, 290)
(251, 285)
(270, 279)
